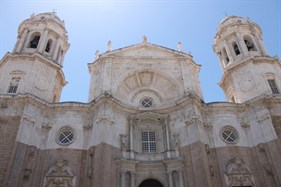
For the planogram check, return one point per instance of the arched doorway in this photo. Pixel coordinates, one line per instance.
(150, 183)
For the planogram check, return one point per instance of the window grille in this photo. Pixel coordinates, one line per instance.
(65, 136)
(146, 103)
(229, 135)
(273, 86)
(148, 142)
(14, 85)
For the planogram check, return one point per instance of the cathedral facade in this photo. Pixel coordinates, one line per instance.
(146, 123)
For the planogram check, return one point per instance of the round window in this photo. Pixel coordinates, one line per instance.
(229, 135)
(65, 136)
(146, 103)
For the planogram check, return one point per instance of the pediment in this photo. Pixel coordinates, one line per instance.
(146, 50)
(150, 116)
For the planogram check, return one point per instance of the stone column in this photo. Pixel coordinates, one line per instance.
(133, 182)
(228, 51)
(167, 138)
(123, 178)
(170, 175)
(132, 155)
(242, 44)
(43, 41)
(56, 51)
(180, 178)
(260, 45)
(21, 41)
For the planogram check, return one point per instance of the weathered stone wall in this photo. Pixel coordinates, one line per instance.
(8, 132)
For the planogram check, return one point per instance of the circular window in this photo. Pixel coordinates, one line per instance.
(229, 135)
(146, 103)
(65, 136)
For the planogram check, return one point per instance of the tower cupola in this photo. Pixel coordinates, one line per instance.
(35, 65)
(45, 34)
(248, 71)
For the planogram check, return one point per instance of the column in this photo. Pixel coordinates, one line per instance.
(260, 45)
(42, 41)
(56, 51)
(228, 51)
(241, 44)
(170, 174)
(123, 178)
(167, 139)
(180, 178)
(132, 156)
(22, 40)
(133, 182)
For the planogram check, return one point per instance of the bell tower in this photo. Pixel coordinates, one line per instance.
(248, 71)
(35, 65)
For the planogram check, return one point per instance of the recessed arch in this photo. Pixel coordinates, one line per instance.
(146, 83)
(150, 183)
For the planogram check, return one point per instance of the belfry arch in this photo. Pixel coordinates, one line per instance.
(150, 183)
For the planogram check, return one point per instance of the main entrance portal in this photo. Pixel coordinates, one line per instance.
(150, 183)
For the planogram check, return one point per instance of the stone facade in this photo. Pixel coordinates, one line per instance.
(146, 123)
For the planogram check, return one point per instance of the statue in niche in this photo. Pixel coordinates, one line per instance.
(124, 141)
(177, 140)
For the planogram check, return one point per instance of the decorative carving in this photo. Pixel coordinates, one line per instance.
(41, 84)
(46, 126)
(87, 126)
(4, 103)
(238, 173)
(192, 118)
(244, 123)
(60, 174)
(105, 119)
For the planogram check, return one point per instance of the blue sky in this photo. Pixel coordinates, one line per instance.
(91, 24)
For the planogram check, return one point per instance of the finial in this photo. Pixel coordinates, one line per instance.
(54, 11)
(97, 54)
(109, 45)
(180, 46)
(144, 39)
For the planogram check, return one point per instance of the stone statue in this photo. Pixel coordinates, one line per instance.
(177, 140)
(124, 141)
(97, 54)
(109, 45)
(144, 39)
(180, 46)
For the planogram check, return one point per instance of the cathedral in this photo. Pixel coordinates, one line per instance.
(145, 123)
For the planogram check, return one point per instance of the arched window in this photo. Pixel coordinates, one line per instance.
(249, 43)
(34, 40)
(49, 45)
(236, 48)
